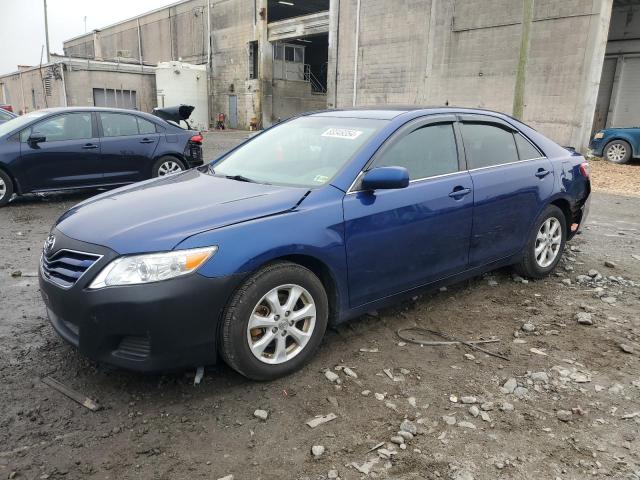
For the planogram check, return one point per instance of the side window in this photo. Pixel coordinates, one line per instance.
(70, 126)
(118, 124)
(145, 127)
(425, 152)
(526, 150)
(488, 145)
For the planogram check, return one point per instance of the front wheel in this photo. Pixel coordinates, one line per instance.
(618, 151)
(167, 166)
(546, 244)
(275, 322)
(6, 188)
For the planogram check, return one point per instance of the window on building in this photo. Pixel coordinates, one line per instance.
(425, 152)
(288, 62)
(253, 60)
(118, 124)
(488, 145)
(525, 149)
(70, 126)
(109, 97)
(33, 98)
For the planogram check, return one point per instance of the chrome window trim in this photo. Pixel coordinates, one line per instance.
(350, 191)
(46, 278)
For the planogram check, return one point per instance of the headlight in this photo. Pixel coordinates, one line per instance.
(599, 135)
(153, 267)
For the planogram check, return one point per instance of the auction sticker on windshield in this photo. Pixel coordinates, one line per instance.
(345, 133)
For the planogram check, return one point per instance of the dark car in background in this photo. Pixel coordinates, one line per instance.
(6, 115)
(69, 148)
(618, 145)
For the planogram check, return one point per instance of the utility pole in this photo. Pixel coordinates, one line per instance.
(46, 31)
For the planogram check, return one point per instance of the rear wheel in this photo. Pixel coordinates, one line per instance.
(544, 248)
(6, 188)
(167, 166)
(274, 322)
(617, 151)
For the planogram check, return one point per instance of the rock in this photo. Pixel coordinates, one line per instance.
(609, 264)
(487, 406)
(506, 407)
(449, 419)
(510, 385)
(579, 377)
(406, 435)
(593, 273)
(584, 318)
(379, 396)
(461, 474)
(609, 300)
(469, 400)
(332, 474)
(320, 419)
(540, 377)
(468, 356)
(625, 348)
(485, 416)
(499, 465)
(391, 405)
(492, 283)
(397, 439)
(228, 477)
(412, 401)
(465, 424)
(333, 401)
(331, 376)
(563, 415)
(528, 327)
(261, 414)
(566, 281)
(408, 426)
(317, 450)
(616, 389)
(16, 274)
(347, 371)
(520, 392)
(365, 393)
(474, 410)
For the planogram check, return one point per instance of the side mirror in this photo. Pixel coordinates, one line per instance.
(35, 138)
(385, 178)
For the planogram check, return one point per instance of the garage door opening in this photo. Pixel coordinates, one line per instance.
(618, 103)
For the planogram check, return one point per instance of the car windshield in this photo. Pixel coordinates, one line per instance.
(18, 122)
(305, 152)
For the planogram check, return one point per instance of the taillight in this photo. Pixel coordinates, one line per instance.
(196, 138)
(585, 169)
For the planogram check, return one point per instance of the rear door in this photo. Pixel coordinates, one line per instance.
(128, 144)
(69, 156)
(400, 239)
(511, 181)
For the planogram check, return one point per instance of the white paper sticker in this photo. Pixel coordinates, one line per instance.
(345, 133)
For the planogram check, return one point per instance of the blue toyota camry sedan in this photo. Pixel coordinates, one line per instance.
(317, 220)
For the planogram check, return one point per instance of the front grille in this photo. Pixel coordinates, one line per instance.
(134, 348)
(65, 267)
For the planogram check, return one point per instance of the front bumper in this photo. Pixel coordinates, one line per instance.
(149, 328)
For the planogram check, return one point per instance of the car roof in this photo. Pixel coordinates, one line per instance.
(391, 112)
(54, 110)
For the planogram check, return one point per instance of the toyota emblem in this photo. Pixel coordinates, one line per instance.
(49, 243)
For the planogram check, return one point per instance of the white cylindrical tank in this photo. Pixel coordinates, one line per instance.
(183, 83)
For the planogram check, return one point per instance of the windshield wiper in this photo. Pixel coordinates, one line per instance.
(239, 178)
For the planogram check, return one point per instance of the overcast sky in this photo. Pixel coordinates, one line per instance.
(22, 26)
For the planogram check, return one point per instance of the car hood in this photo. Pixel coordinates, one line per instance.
(158, 214)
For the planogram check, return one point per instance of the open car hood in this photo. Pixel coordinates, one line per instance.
(174, 114)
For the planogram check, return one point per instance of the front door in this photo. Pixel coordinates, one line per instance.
(68, 156)
(233, 111)
(400, 239)
(128, 145)
(511, 181)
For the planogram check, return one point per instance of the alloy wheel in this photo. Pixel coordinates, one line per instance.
(548, 242)
(616, 152)
(169, 168)
(3, 188)
(281, 324)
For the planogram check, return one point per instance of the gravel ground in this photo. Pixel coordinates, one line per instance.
(612, 178)
(566, 405)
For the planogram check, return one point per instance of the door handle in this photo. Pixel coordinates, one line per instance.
(541, 173)
(459, 192)
(147, 140)
(89, 146)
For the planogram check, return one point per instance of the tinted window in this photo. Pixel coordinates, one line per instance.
(525, 149)
(145, 127)
(487, 145)
(70, 126)
(118, 124)
(425, 152)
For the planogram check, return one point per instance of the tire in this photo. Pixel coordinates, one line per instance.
(6, 188)
(536, 263)
(618, 151)
(167, 165)
(240, 346)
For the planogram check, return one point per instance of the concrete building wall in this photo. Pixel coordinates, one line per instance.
(466, 52)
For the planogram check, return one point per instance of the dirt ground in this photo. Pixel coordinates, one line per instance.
(565, 406)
